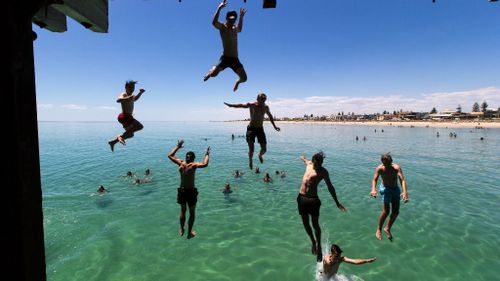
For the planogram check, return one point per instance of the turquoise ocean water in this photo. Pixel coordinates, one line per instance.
(450, 229)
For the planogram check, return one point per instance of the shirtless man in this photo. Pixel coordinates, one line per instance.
(255, 129)
(229, 35)
(131, 125)
(308, 201)
(332, 261)
(187, 194)
(389, 191)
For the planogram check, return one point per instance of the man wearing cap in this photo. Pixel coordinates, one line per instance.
(229, 35)
(129, 123)
(255, 129)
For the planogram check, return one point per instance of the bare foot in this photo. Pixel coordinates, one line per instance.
(378, 235)
(120, 140)
(181, 231)
(236, 86)
(205, 78)
(112, 144)
(192, 234)
(261, 159)
(250, 164)
(388, 232)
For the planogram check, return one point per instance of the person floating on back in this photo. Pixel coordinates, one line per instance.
(255, 129)
(187, 194)
(126, 118)
(332, 261)
(389, 192)
(229, 35)
(308, 202)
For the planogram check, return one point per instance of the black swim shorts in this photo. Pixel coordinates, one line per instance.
(233, 63)
(258, 132)
(308, 205)
(187, 195)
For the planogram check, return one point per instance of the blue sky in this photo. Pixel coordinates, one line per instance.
(315, 56)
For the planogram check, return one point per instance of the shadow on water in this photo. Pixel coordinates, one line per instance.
(103, 201)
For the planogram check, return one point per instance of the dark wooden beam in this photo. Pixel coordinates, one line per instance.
(22, 231)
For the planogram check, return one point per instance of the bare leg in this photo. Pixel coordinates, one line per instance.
(211, 73)
(251, 148)
(383, 215)
(182, 218)
(131, 129)
(191, 233)
(317, 231)
(392, 219)
(242, 78)
(307, 227)
(263, 149)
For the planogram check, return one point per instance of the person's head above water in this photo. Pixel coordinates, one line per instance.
(317, 159)
(386, 159)
(261, 98)
(129, 174)
(190, 157)
(231, 17)
(130, 86)
(335, 250)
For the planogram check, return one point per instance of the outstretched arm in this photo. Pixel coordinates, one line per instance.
(141, 91)
(358, 261)
(240, 22)
(271, 118)
(172, 156)
(215, 20)
(373, 192)
(238, 105)
(331, 189)
(303, 158)
(403, 184)
(205, 161)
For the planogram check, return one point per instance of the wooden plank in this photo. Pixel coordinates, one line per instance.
(92, 14)
(51, 19)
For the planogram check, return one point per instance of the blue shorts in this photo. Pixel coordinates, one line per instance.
(389, 194)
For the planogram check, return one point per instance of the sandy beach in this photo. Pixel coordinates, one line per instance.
(429, 124)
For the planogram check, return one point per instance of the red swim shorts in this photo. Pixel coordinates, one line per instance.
(125, 119)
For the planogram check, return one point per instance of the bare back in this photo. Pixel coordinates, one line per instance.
(331, 265)
(310, 181)
(229, 36)
(389, 174)
(127, 104)
(187, 172)
(257, 113)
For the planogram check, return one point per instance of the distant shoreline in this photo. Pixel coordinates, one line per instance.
(420, 124)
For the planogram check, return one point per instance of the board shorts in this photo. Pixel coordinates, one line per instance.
(258, 132)
(389, 194)
(308, 205)
(233, 63)
(125, 119)
(187, 195)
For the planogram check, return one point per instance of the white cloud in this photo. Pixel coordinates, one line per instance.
(319, 105)
(74, 107)
(45, 106)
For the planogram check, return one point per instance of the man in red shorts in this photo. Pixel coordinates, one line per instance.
(126, 118)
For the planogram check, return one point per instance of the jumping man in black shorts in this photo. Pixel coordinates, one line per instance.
(187, 194)
(229, 35)
(255, 129)
(308, 201)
